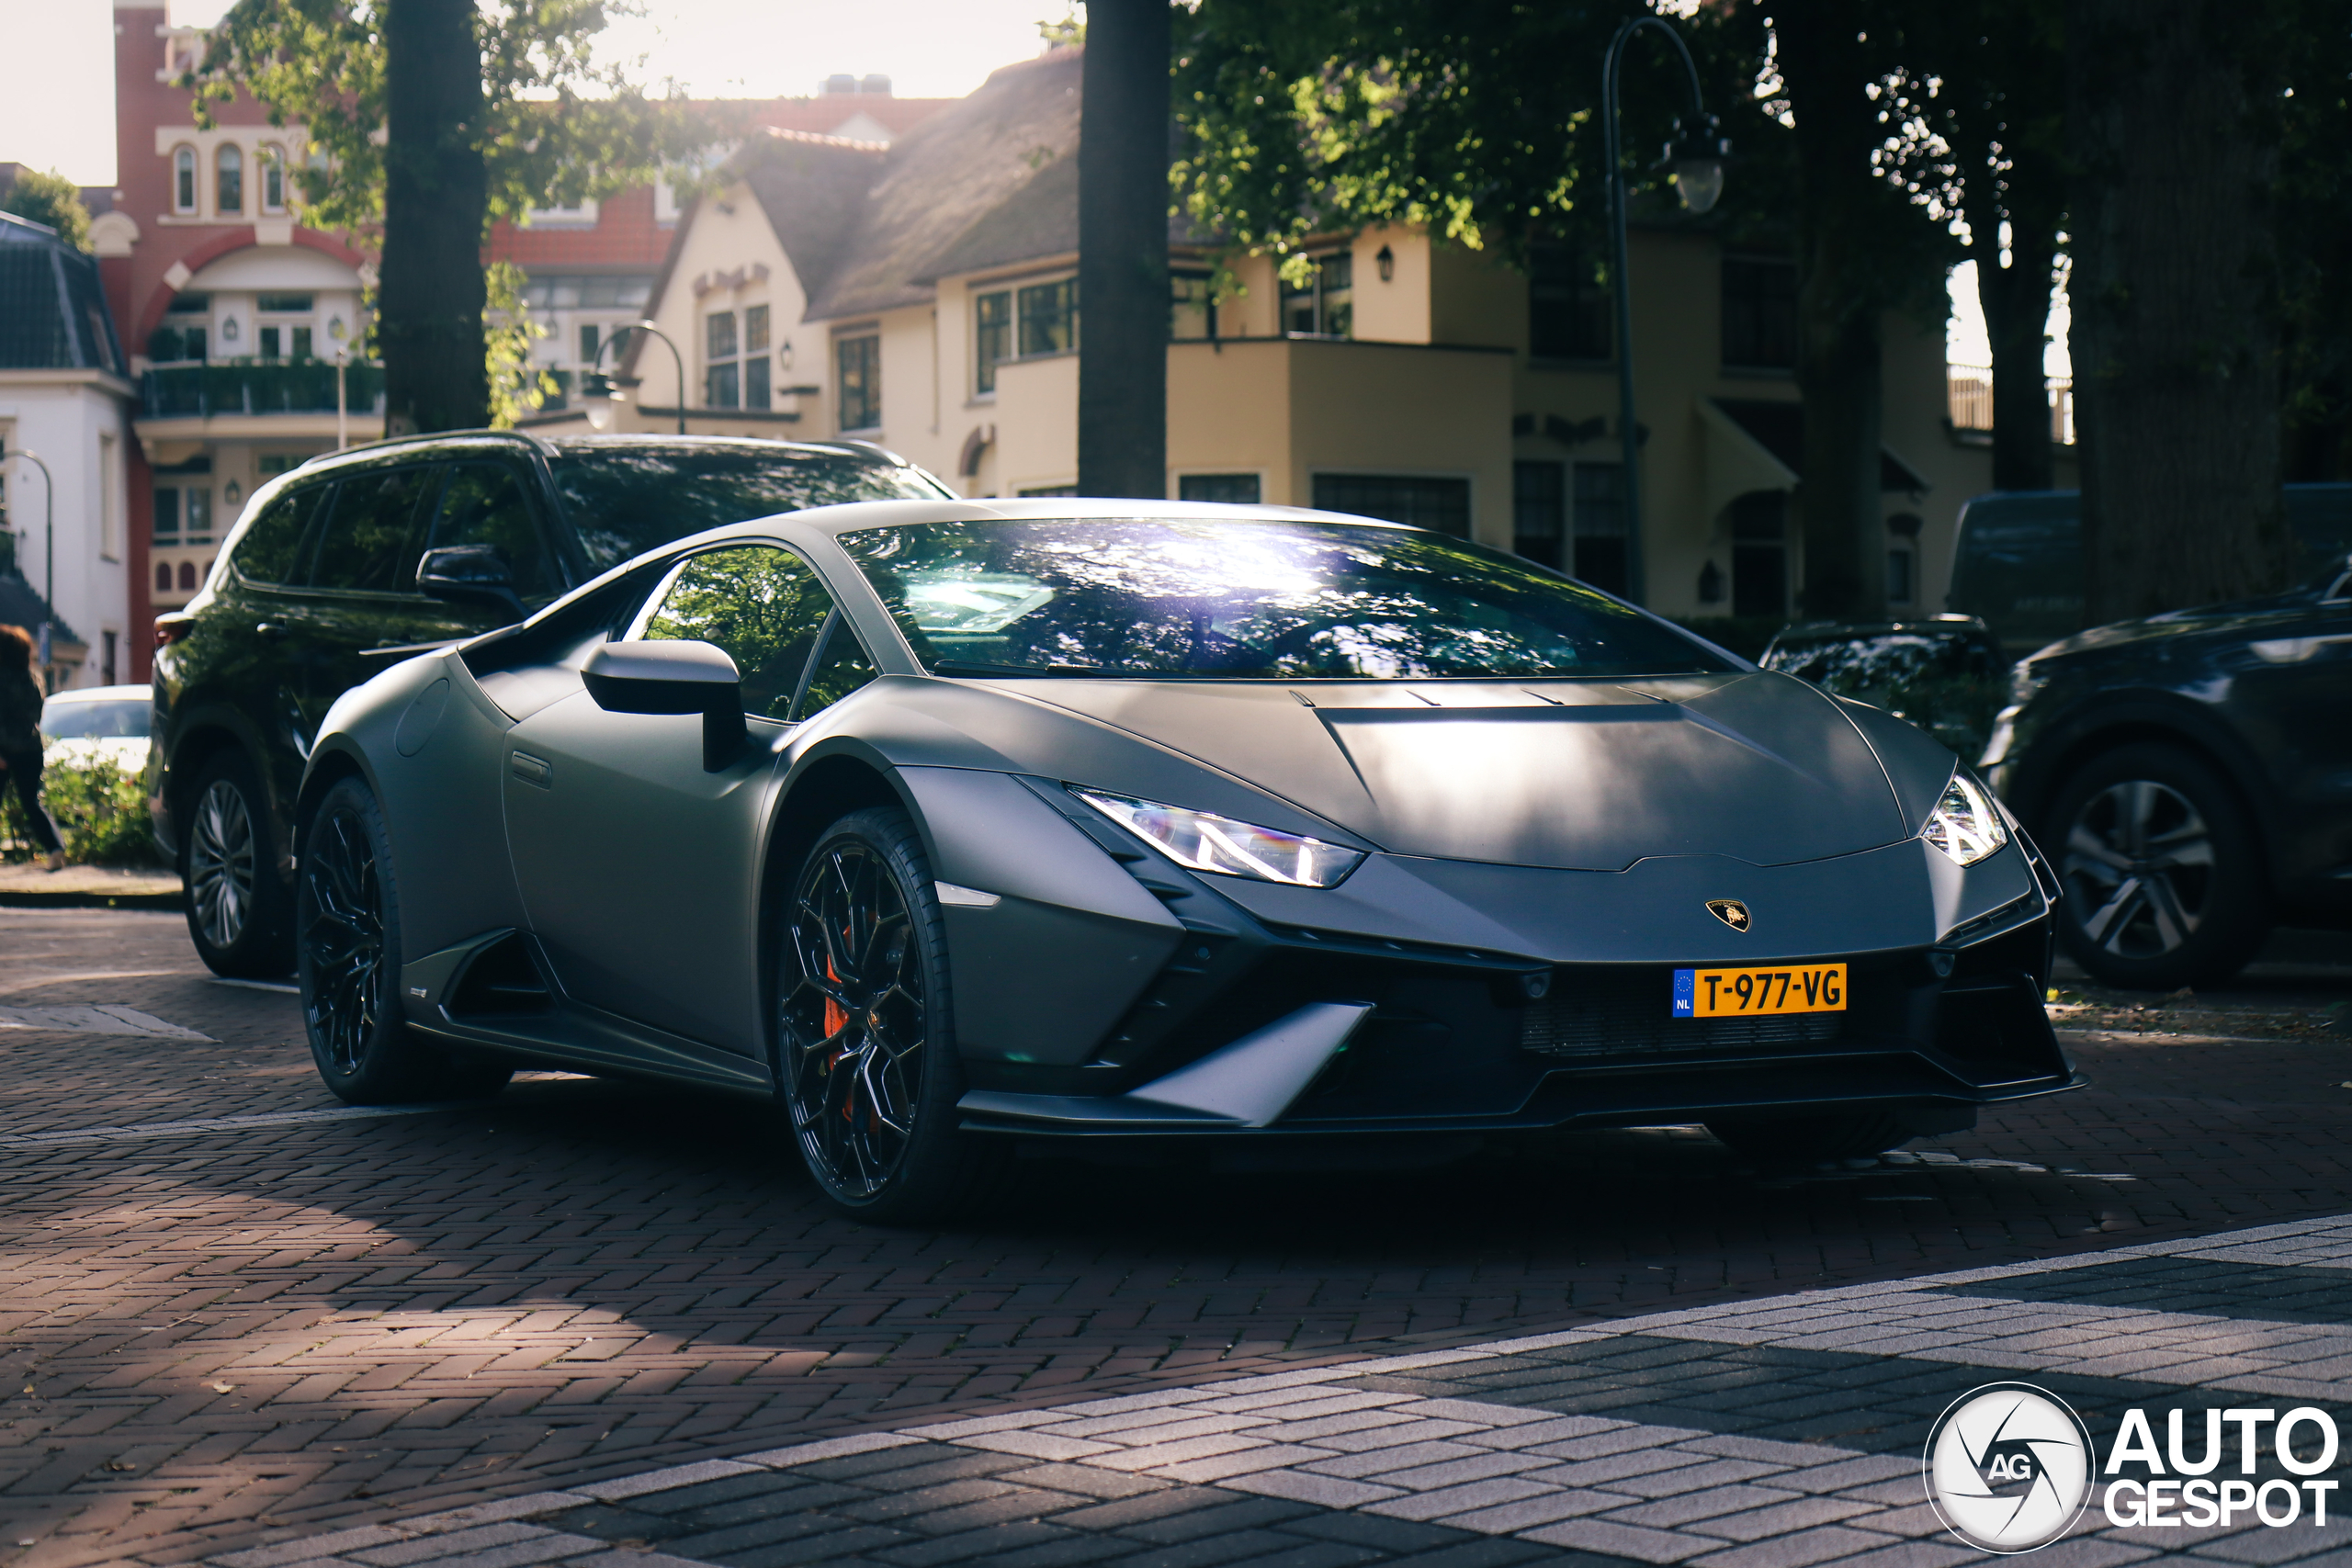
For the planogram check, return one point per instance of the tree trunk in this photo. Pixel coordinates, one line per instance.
(2016, 318)
(436, 188)
(1840, 370)
(1122, 251)
(2175, 339)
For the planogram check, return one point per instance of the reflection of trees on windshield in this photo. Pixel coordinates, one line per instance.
(1247, 599)
(626, 499)
(761, 604)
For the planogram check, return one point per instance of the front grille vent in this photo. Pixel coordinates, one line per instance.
(1623, 1013)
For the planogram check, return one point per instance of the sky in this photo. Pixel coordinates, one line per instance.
(62, 117)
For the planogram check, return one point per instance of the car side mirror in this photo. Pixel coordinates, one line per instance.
(674, 677)
(469, 574)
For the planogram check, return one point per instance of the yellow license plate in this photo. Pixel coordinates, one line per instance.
(1730, 993)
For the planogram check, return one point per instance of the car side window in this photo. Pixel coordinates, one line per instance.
(369, 542)
(761, 603)
(486, 503)
(271, 552)
(842, 668)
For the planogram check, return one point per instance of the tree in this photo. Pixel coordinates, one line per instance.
(49, 198)
(2314, 218)
(1123, 251)
(2176, 339)
(1980, 96)
(433, 119)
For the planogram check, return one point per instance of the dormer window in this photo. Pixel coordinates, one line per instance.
(184, 180)
(228, 192)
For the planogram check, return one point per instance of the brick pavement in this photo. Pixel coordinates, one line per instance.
(1791, 1437)
(236, 1334)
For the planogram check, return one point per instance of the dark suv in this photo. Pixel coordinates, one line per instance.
(2190, 777)
(354, 561)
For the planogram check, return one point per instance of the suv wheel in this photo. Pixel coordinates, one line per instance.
(2161, 870)
(236, 905)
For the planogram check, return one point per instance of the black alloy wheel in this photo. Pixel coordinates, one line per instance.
(236, 902)
(2160, 870)
(867, 1063)
(347, 960)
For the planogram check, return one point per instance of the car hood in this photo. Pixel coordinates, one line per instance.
(1576, 774)
(2237, 615)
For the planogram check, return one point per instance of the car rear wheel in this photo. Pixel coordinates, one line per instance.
(2161, 868)
(1849, 1135)
(867, 1063)
(236, 903)
(348, 959)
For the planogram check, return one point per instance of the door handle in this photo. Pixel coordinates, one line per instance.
(531, 770)
(268, 629)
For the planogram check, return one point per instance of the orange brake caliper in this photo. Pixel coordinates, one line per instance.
(836, 1020)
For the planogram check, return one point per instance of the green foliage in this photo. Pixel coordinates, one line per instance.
(100, 812)
(561, 126)
(2314, 204)
(54, 199)
(517, 386)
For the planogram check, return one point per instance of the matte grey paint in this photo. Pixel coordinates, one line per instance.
(1249, 1083)
(642, 878)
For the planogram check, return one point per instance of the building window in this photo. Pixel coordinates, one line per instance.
(1898, 575)
(1046, 492)
(1230, 489)
(755, 356)
(182, 514)
(188, 577)
(1539, 511)
(1600, 502)
(1417, 500)
(1760, 313)
(857, 367)
(992, 337)
(184, 180)
(109, 504)
(722, 381)
(273, 180)
(107, 644)
(168, 519)
(1192, 309)
(1049, 318)
(1569, 305)
(1325, 305)
(1759, 554)
(162, 577)
(1903, 558)
(590, 341)
(228, 180)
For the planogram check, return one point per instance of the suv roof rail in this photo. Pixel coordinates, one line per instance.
(539, 444)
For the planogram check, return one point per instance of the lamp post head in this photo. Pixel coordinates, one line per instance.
(1696, 158)
(602, 399)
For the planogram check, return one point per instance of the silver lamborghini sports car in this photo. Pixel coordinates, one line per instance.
(946, 824)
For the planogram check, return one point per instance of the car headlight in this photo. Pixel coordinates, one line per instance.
(1202, 841)
(1965, 824)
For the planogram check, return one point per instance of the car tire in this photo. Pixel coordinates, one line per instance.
(2161, 871)
(237, 913)
(1846, 1135)
(865, 1063)
(347, 926)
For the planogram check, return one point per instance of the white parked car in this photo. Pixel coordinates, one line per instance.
(98, 721)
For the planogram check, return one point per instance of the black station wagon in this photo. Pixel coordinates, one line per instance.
(356, 560)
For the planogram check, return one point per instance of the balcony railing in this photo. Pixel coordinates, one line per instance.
(1969, 399)
(260, 387)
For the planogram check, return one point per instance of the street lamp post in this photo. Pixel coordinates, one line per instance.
(1697, 155)
(48, 533)
(599, 392)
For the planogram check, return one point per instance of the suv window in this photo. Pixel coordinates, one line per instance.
(842, 668)
(369, 542)
(624, 500)
(761, 605)
(487, 503)
(271, 550)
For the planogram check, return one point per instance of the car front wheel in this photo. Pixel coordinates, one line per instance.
(347, 917)
(2162, 873)
(236, 903)
(866, 1064)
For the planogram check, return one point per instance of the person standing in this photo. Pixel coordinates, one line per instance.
(20, 740)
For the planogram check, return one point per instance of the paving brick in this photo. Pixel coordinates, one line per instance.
(1620, 1540)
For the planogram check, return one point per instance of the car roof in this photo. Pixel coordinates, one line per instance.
(103, 694)
(458, 440)
(856, 515)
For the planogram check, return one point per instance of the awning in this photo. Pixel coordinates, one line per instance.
(1776, 429)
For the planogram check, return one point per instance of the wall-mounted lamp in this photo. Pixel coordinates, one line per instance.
(229, 330)
(784, 355)
(233, 493)
(336, 329)
(1386, 262)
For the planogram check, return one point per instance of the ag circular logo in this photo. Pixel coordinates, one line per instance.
(2008, 1467)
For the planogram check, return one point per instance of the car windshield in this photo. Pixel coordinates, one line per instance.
(1246, 599)
(114, 717)
(626, 499)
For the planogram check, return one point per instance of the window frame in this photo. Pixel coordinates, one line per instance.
(1323, 263)
(869, 345)
(228, 179)
(269, 164)
(187, 196)
(633, 630)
